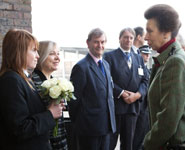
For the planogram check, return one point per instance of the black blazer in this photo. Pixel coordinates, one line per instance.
(93, 111)
(127, 79)
(24, 121)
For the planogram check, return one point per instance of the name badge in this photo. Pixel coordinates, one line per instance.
(65, 114)
(140, 71)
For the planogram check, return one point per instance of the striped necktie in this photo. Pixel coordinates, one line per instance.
(128, 58)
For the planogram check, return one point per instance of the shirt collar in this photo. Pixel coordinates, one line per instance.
(26, 73)
(160, 59)
(95, 58)
(135, 49)
(124, 50)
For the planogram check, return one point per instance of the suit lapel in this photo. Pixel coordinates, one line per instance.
(135, 62)
(107, 71)
(96, 70)
(123, 65)
(122, 60)
(134, 68)
(108, 76)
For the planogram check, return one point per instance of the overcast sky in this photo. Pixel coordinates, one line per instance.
(68, 22)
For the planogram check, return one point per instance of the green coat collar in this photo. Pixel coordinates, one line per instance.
(165, 54)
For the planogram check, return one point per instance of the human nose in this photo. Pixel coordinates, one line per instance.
(37, 55)
(146, 37)
(101, 45)
(57, 57)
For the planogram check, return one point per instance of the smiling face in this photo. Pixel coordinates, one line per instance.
(97, 45)
(32, 57)
(154, 37)
(52, 61)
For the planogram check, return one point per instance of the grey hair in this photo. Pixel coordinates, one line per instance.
(45, 47)
(129, 30)
(97, 32)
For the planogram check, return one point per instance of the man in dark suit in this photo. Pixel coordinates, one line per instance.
(92, 114)
(130, 87)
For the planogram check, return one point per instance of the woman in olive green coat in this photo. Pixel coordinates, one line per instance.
(166, 92)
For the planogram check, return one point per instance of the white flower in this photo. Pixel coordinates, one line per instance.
(55, 91)
(53, 81)
(46, 84)
(66, 85)
(70, 87)
(58, 88)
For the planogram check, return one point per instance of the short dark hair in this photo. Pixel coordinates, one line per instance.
(139, 31)
(166, 17)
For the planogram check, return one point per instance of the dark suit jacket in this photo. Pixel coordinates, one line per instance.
(144, 103)
(24, 121)
(93, 111)
(127, 79)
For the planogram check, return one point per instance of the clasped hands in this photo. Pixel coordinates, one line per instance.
(130, 97)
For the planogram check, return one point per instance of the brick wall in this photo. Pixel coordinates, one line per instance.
(14, 14)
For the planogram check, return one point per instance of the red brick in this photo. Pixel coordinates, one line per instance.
(10, 22)
(21, 7)
(13, 1)
(5, 6)
(3, 21)
(27, 16)
(22, 23)
(1, 13)
(13, 14)
(26, 2)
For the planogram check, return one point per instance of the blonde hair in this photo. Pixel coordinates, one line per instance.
(14, 51)
(45, 47)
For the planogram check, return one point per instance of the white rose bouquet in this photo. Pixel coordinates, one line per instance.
(57, 89)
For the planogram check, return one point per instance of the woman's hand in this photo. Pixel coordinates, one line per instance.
(63, 104)
(56, 110)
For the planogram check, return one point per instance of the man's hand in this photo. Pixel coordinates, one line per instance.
(132, 97)
(124, 94)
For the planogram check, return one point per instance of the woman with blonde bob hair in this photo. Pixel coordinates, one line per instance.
(48, 63)
(25, 122)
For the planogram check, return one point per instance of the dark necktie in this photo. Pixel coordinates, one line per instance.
(100, 65)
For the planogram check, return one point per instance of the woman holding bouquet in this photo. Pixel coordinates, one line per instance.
(25, 123)
(47, 64)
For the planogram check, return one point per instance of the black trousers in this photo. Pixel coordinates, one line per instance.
(126, 125)
(71, 135)
(93, 142)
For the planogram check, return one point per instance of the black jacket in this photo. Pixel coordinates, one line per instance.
(24, 122)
